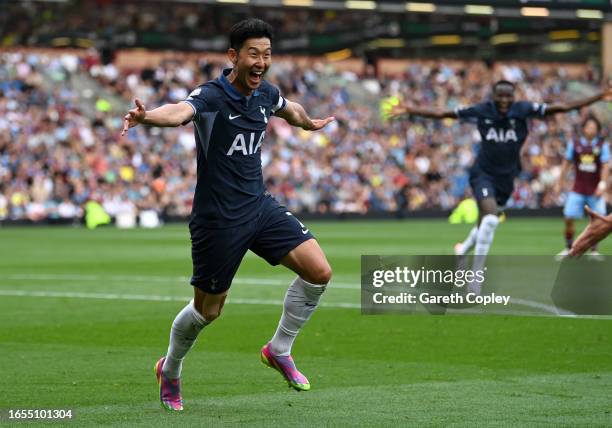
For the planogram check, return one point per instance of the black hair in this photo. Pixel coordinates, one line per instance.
(503, 82)
(594, 119)
(251, 28)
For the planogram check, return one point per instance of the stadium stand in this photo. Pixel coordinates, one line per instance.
(55, 157)
(61, 110)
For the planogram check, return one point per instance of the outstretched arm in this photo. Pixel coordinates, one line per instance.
(295, 115)
(599, 227)
(166, 115)
(425, 112)
(565, 107)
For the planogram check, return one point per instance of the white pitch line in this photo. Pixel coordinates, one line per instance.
(147, 278)
(246, 281)
(543, 306)
(151, 298)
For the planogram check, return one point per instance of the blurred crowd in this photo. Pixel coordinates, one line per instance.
(149, 23)
(54, 156)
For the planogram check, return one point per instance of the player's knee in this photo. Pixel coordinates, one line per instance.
(488, 206)
(211, 313)
(321, 275)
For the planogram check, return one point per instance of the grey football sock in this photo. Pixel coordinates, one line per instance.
(185, 329)
(301, 300)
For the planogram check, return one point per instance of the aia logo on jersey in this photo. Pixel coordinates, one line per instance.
(501, 135)
(240, 144)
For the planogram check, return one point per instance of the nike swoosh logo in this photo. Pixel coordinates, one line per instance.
(234, 117)
(304, 231)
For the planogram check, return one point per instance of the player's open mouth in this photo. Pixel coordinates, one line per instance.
(255, 77)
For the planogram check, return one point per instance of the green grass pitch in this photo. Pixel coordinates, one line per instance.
(96, 307)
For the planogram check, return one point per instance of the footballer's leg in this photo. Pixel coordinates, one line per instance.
(284, 240)
(203, 309)
(309, 262)
(569, 238)
(573, 209)
(314, 273)
(484, 191)
(216, 255)
(487, 192)
(569, 232)
(301, 300)
(463, 248)
(489, 221)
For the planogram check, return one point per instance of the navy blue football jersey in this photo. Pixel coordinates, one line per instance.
(229, 132)
(502, 136)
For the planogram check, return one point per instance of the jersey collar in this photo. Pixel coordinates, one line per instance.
(497, 113)
(229, 88)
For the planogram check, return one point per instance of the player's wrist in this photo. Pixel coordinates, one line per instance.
(146, 119)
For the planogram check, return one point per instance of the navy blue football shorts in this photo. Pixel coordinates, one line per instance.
(217, 253)
(490, 186)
